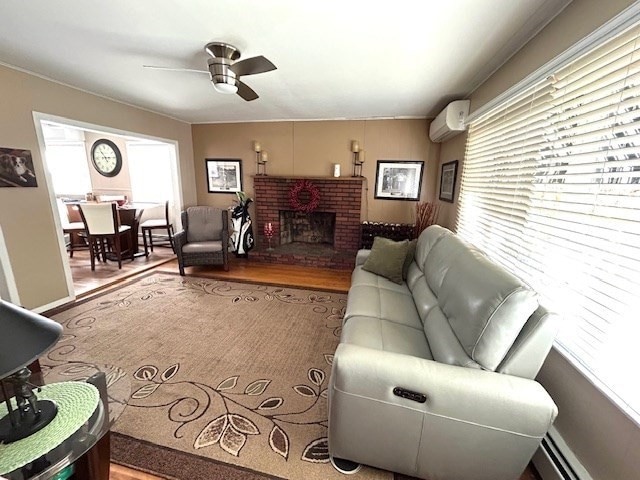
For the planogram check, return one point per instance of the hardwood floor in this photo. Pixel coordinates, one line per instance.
(239, 270)
(247, 270)
(87, 282)
(118, 472)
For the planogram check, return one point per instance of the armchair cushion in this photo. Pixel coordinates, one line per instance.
(203, 225)
(202, 247)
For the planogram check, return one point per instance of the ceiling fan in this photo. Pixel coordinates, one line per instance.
(225, 72)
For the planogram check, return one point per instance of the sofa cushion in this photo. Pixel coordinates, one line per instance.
(362, 277)
(440, 258)
(445, 346)
(387, 258)
(426, 241)
(392, 305)
(387, 336)
(485, 305)
(411, 251)
(424, 299)
(205, 223)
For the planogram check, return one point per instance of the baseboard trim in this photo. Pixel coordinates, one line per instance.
(554, 460)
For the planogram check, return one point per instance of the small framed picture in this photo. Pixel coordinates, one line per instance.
(224, 175)
(398, 180)
(16, 168)
(448, 176)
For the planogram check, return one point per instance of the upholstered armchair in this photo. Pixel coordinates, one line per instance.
(204, 239)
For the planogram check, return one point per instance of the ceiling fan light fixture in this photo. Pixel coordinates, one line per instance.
(226, 88)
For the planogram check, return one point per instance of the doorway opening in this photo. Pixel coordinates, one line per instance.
(147, 176)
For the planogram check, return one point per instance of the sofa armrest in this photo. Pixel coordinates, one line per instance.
(473, 423)
(459, 394)
(362, 256)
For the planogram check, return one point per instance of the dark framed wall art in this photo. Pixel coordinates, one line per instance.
(448, 175)
(398, 180)
(16, 168)
(224, 175)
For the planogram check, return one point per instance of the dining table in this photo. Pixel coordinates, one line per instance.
(129, 214)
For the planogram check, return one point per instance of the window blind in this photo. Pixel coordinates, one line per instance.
(550, 188)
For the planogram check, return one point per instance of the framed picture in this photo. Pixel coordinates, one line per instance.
(398, 180)
(16, 168)
(224, 175)
(448, 176)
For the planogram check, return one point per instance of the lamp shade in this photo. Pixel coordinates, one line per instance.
(24, 336)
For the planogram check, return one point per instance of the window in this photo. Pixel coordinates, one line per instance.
(150, 170)
(550, 189)
(67, 163)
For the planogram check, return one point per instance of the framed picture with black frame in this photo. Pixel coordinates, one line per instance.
(224, 175)
(398, 179)
(448, 175)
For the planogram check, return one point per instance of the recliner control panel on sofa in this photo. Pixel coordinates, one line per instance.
(434, 377)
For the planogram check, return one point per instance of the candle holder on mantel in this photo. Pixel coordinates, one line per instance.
(358, 158)
(268, 232)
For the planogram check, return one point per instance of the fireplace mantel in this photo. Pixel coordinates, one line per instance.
(306, 177)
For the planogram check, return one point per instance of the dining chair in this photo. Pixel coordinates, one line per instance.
(103, 228)
(73, 226)
(152, 224)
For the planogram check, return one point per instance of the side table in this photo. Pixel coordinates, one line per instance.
(86, 454)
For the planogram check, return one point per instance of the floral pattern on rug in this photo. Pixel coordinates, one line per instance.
(234, 420)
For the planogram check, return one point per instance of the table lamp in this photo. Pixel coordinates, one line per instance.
(24, 336)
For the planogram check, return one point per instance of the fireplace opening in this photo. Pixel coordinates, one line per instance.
(314, 227)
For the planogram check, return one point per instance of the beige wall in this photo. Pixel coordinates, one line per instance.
(25, 213)
(121, 183)
(450, 151)
(605, 440)
(311, 149)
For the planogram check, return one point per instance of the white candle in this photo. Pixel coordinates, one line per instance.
(256, 147)
(355, 146)
(265, 157)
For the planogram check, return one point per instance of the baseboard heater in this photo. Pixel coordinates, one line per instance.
(555, 461)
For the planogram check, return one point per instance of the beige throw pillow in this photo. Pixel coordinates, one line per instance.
(387, 258)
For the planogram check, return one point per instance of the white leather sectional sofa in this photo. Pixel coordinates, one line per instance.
(434, 377)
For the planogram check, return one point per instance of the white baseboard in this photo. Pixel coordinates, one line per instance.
(554, 460)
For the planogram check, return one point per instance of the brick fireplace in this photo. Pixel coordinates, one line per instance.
(304, 239)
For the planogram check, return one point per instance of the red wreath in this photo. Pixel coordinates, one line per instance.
(294, 196)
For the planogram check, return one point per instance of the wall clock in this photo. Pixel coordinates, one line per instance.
(106, 157)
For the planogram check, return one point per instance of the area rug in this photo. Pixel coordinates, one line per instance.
(227, 380)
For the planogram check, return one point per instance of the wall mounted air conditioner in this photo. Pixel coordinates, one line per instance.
(450, 121)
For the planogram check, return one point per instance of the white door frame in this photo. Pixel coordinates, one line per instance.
(39, 117)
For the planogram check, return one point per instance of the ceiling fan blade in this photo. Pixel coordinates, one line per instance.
(171, 69)
(245, 91)
(252, 65)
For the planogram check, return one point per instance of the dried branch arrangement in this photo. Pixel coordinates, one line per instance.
(426, 214)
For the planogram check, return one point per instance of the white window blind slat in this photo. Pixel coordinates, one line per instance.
(550, 188)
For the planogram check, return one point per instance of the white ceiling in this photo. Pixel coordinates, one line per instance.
(336, 58)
